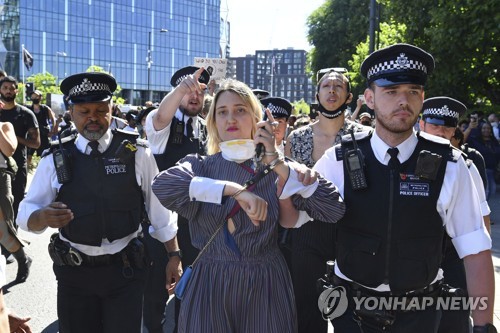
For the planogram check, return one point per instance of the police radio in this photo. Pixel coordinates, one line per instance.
(62, 164)
(354, 163)
(178, 133)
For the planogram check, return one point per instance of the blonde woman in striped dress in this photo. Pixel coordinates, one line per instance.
(241, 282)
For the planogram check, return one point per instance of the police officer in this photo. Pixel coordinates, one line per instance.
(440, 117)
(281, 109)
(398, 198)
(174, 130)
(94, 191)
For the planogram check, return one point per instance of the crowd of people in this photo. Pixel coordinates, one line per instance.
(228, 198)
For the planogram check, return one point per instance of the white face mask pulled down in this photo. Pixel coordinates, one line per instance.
(238, 150)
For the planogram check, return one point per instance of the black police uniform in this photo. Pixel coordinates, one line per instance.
(155, 293)
(445, 111)
(99, 259)
(402, 246)
(178, 146)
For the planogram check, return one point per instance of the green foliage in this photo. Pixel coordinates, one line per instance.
(46, 83)
(116, 98)
(335, 29)
(462, 35)
(300, 107)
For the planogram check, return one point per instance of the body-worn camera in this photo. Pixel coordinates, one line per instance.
(428, 165)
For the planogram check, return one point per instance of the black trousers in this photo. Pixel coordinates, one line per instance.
(406, 322)
(155, 292)
(18, 188)
(454, 321)
(311, 246)
(189, 254)
(99, 299)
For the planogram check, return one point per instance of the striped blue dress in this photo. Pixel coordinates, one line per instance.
(227, 292)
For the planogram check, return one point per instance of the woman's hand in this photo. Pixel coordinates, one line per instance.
(265, 135)
(253, 205)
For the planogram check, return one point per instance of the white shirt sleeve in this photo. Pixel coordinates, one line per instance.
(163, 221)
(206, 189)
(331, 169)
(294, 186)
(42, 191)
(458, 205)
(157, 139)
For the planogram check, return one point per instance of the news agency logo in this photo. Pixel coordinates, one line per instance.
(333, 303)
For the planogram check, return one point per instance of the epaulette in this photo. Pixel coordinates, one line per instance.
(346, 142)
(133, 136)
(452, 156)
(358, 136)
(66, 141)
(464, 155)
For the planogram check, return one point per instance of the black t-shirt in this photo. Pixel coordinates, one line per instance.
(22, 119)
(42, 117)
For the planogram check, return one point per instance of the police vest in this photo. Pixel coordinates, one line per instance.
(103, 195)
(391, 232)
(174, 151)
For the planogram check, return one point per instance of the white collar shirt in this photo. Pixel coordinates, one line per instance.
(458, 203)
(158, 139)
(44, 188)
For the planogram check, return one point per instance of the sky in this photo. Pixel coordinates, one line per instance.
(268, 24)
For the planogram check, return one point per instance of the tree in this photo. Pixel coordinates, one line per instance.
(463, 36)
(116, 98)
(335, 29)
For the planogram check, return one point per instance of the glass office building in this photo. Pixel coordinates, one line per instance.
(281, 72)
(68, 36)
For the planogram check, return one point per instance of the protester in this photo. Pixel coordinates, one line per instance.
(240, 283)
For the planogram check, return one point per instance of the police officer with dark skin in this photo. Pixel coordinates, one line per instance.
(440, 117)
(390, 239)
(94, 191)
(174, 130)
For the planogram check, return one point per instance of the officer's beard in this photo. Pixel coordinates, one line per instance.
(93, 135)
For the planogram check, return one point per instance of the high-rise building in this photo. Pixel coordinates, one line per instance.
(281, 72)
(142, 43)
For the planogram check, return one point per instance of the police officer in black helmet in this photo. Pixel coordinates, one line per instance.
(94, 190)
(402, 194)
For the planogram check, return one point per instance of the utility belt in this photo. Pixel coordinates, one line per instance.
(132, 256)
(379, 318)
(361, 291)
